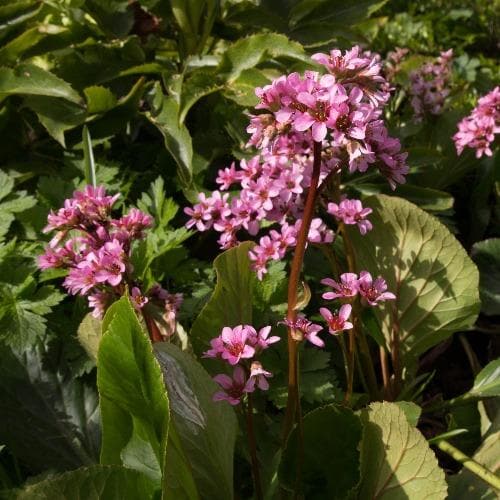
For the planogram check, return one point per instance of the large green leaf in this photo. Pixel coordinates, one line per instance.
(134, 406)
(28, 79)
(97, 482)
(248, 52)
(396, 461)
(330, 467)
(486, 254)
(207, 430)
(435, 282)
(231, 302)
(49, 420)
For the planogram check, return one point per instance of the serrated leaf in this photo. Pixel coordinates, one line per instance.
(396, 461)
(98, 481)
(231, 302)
(165, 116)
(37, 403)
(435, 282)
(486, 254)
(330, 467)
(28, 79)
(207, 430)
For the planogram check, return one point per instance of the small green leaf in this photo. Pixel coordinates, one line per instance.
(88, 158)
(99, 99)
(99, 481)
(487, 381)
(396, 461)
(411, 411)
(89, 334)
(231, 302)
(330, 466)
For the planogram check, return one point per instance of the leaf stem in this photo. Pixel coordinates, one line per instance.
(252, 444)
(298, 259)
(470, 464)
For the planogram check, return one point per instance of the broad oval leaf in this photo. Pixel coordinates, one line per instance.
(99, 481)
(330, 468)
(396, 461)
(207, 430)
(435, 281)
(231, 302)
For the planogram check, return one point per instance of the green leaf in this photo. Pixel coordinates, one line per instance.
(434, 280)
(28, 79)
(231, 302)
(99, 99)
(466, 485)
(90, 334)
(242, 90)
(330, 468)
(411, 411)
(154, 202)
(207, 430)
(56, 115)
(249, 52)
(165, 116)
(99, 481)
(486, 255)
(14, 13)
(487, 381)
(88, 158)
(396, 461)
(134, 405)
(48, 419)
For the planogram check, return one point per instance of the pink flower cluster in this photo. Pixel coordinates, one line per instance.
(341, 109)
(478, 130)
(372, 291)
(429, 86)
(351, 212)
(95, 249)
(393, 62)
(238, 347)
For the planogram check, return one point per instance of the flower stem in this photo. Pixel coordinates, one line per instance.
(298, 259)
(252, 444)
(470, 464)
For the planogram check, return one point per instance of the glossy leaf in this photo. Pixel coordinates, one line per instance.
(231, 302)
(435, 282)
(396, 461)
(207, 430)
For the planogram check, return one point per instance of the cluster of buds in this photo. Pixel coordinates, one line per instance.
(342, 111)
(95, 249)
(239, 346)
(392, 63)
(430, 86)
(478, 130)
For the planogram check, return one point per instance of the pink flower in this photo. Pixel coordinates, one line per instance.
(258, 377)
(303, 328)
(348, 286)
(81, 278)
(234, 388)
(227, 177)
(108, 263)
(373, 291)
(217, 348)
(337, 323)
(235, 344)
(134, 223)
(260, 340)
(99, 301)
(352, 212)
(138, 299)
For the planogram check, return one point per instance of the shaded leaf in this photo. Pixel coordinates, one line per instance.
(486, 254)
(89, 334)
(99, 99)
(487, 381)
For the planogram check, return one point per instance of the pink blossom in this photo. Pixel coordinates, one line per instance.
(235, 344)
(134, 223)
(352, 212)
(373, 291)
(306, 329)
(337, 323)
(99, 301)
(348, 286)
(227, 177)
(260, 340)
(258, 377)
(139, 300)
(234, 388)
